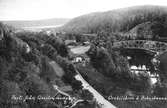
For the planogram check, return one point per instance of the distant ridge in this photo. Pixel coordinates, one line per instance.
(117, 20)
(36, 23)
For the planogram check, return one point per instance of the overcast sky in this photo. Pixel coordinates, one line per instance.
(43, 9)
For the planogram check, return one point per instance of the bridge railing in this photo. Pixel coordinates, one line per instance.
(142, 44)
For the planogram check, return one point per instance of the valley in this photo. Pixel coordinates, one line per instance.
(83, 62)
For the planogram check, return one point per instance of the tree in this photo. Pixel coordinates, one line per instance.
(101, 60)
(7, 91)
(86, 95)
(115, 67)
(48, 50)
(59, 45)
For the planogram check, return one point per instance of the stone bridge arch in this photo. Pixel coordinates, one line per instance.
(153, 46)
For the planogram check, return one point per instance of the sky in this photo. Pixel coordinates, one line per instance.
(45, 9)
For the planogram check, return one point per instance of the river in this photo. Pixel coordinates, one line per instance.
(142, 61)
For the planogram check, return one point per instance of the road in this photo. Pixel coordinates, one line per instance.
(99, 98)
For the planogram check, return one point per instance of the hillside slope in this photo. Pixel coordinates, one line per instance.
(31, 65)
(120, 20)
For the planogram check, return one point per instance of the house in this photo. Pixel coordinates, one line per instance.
(83, 59)
(78, 59)
(86, 43)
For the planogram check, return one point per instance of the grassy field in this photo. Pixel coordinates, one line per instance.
(80, 49)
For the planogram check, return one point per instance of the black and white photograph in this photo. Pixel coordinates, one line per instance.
(83, 54)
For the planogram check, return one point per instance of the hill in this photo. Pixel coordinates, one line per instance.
(119, 20)
(35, 71)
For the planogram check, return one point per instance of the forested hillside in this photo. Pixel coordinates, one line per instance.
(120, 20)
(30, 64)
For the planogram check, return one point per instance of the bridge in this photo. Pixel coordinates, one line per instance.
(153, 46)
